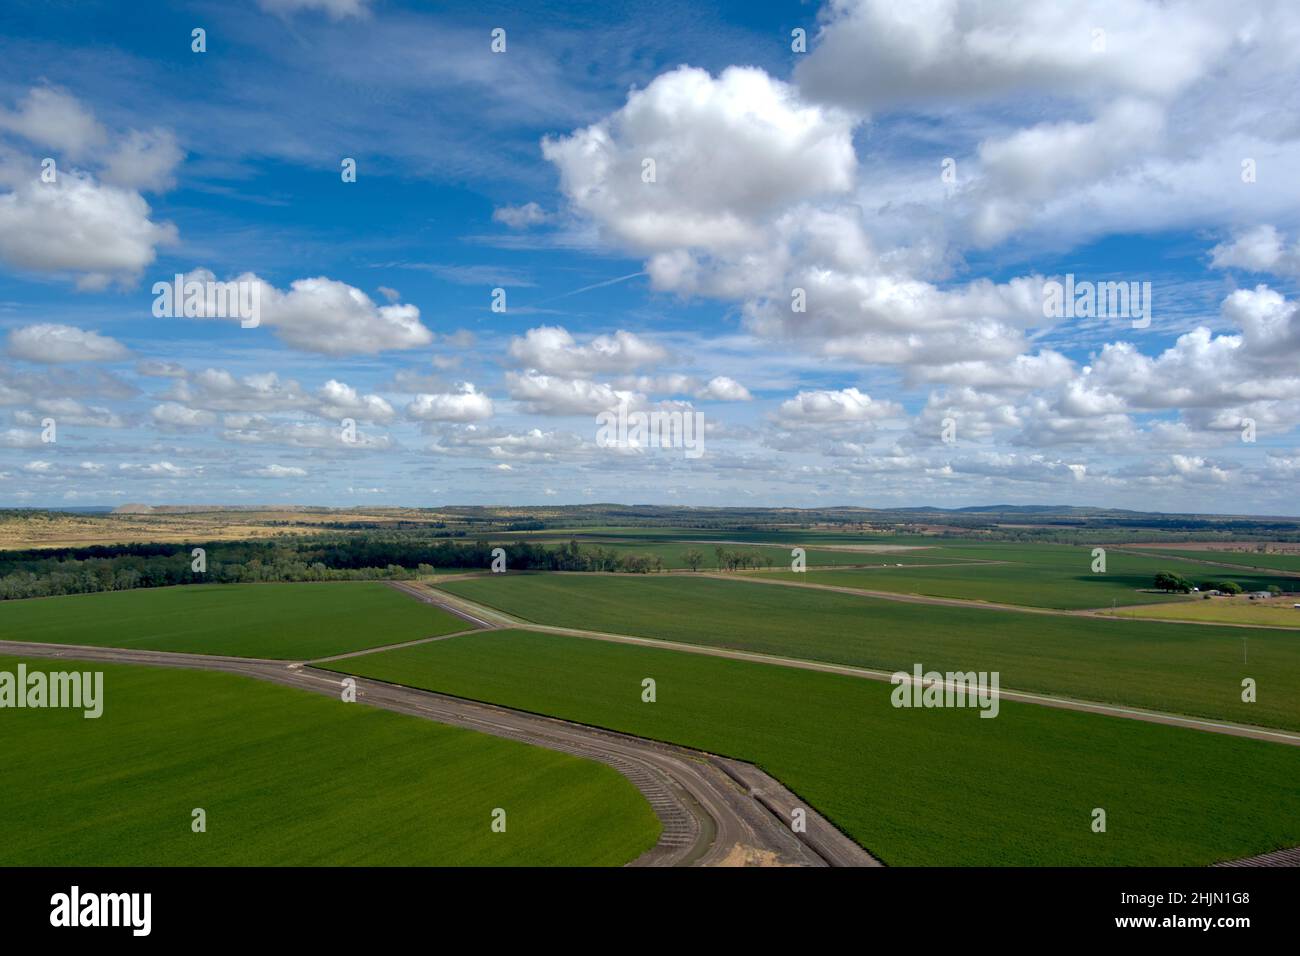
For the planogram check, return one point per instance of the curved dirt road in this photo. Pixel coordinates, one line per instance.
(714, 812)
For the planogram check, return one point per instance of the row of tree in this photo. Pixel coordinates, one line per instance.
(728, 560)
(25, 584)
(46, 573)
(1176, 583)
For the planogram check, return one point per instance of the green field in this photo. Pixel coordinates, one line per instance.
(287, 777)
(283, 621)
(672, 553)
(1187, 668)
(1236, 610)
(791, 537)
(915, 787)
(1043, 575)
(1031, 575)
(1250, 559)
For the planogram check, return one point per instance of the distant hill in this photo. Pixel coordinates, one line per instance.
(137, 509)
(969, 516)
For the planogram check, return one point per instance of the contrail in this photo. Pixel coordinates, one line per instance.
(598, 285)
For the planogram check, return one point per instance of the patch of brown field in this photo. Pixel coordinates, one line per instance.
(72, 530)
(741, 855)
(1231, 547)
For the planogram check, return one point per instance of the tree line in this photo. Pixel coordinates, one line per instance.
(1176, 583)
(56, 571)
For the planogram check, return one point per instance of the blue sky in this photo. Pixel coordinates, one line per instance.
(922, 369)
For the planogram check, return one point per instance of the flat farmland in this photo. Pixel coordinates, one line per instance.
(1182, 668)
(915, 787)
(1249, 559)
(777, 536)
(1048, 576)
(290, 778)
(673, 554)
(1280, 612)
(280, 621)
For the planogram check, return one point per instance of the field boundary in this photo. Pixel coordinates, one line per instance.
(394, 647)
(1101, 613)
(1209, 725)
(1254, 569)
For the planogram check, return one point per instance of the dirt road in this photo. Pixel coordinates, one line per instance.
(1104, 613)
(435, 598)
(709, 817)
(1046, 700)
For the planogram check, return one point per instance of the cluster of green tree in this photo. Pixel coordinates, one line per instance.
(1169, 581)
(570, 556)
(728, 560)
(373, 526)
(227, 563)
(46, 573)
(1227, 587)
(1232, 587)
